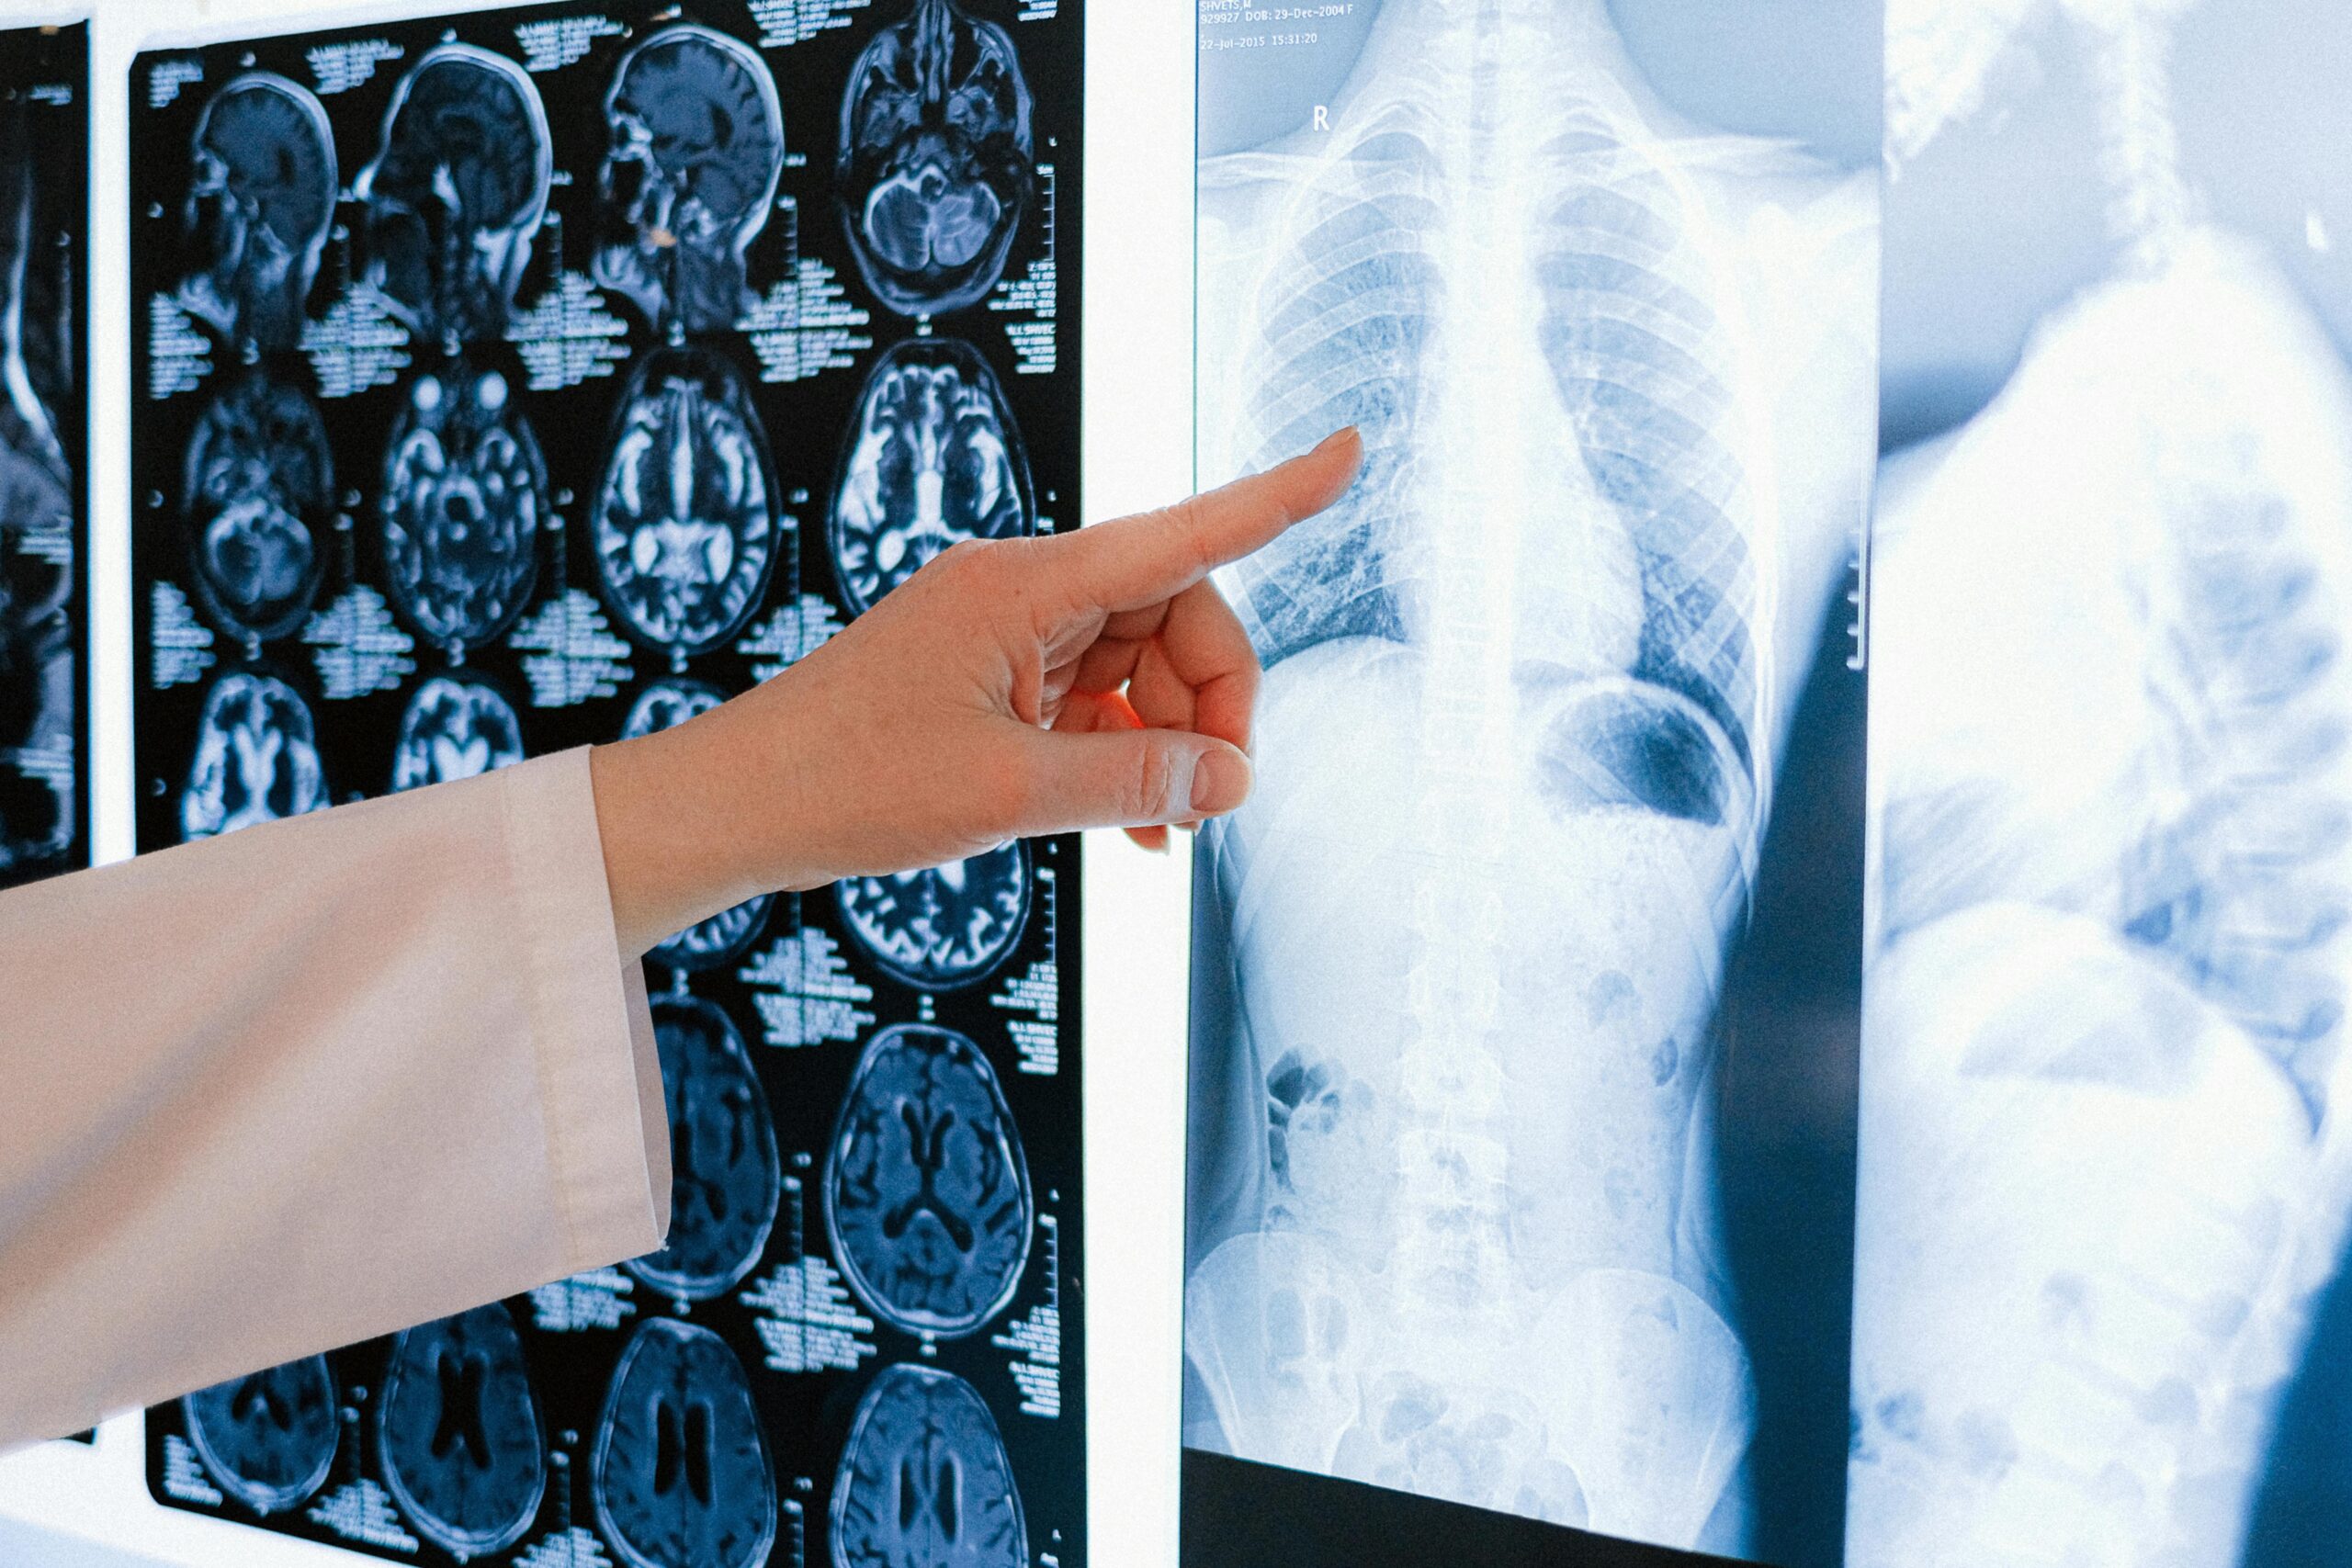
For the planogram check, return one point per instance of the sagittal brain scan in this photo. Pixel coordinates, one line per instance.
(690, 176)
(725, 1176)
(258, 495)
(37, 677)
(927, 1196)
(934, 172)
(457, 193)
(932, 459)
(256, 758)
(681, 1475)
(945, 927)
(684, 523)
(260, 200)
(464, 501)
(455, 727)
(269, 1438)
(459, 1430)
(705, 945)
(924, 1481)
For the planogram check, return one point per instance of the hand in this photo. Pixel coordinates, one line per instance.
(1010, 688)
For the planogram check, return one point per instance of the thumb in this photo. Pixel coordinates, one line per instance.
(1130, 779)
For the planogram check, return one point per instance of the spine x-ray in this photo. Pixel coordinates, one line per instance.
(44, 615)
(1473, 1099)
(540, 378)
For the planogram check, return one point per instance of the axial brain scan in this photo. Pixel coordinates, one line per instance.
(269, 1438)
(458, 1431)
(256, 758)
(465, 495)
(455, 728)
(689, 179)
(684, 525)
(681, 1474)
(934, 458)
(455, 197)
(259, 487)
(934, 172)
(927, 1194)
(944, 926)
(706, 943)
(725, 1178)
(260, 200)
(925, 1480)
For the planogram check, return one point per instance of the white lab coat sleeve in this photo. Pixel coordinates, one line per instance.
(312, 1082)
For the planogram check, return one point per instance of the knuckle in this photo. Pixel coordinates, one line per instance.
(1152, 781)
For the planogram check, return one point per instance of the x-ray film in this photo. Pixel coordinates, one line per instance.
(512, 381)
(44, 618)
(2105, 1167)
(1480, 1191)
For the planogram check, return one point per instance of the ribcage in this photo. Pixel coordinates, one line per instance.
(925, 1480)
(681, 1475)
(724, 1178)
(459, 1430)
(927, 1196)
(269, 1438)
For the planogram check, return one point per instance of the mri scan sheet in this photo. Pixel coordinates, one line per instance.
(2100, 1311)
(541, 377)
(1505, 974)
(44, 617)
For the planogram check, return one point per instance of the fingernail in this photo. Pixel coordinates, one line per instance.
(1220, 782)
(1347, 433)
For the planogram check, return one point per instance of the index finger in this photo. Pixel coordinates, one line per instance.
(1143, 560)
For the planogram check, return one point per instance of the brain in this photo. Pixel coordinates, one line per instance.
(455, 728)
(681, 1475)
(256, 758)
(936, 166)
(926, 1189)
(37, 681)
(697, 142)
(459, 1432)
(465, 494)
(925, 1482)
(706, 943)
(258, 207)
(457, 193)
(945, 927)
(258, 489)
(269, 1438)
(684, 525)
(724, 1178)
(932, 459)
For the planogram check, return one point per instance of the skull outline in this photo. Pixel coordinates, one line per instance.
(253, 285)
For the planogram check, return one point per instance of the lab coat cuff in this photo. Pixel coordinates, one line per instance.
(601, 1075)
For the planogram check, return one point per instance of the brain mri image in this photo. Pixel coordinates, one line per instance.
(725, 1178)
(459, 1432)
(464, 501)
(259, 496)
(260, 200)
(1455, 1197)
(705, 945)
(455, 728)
(925, 1480)
(689, 178)
(945, 927)
(935, 167)
(681, 1473)
(456, 195)
(269, 1438)
(256, 758)
(932, 459)
(684, 524)
(927, 1196)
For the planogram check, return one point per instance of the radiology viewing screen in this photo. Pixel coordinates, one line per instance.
(1523, 1035)
(44, 613)
(531, 379)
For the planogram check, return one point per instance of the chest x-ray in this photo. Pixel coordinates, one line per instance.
(2105, 1172)
(1453, 1195)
